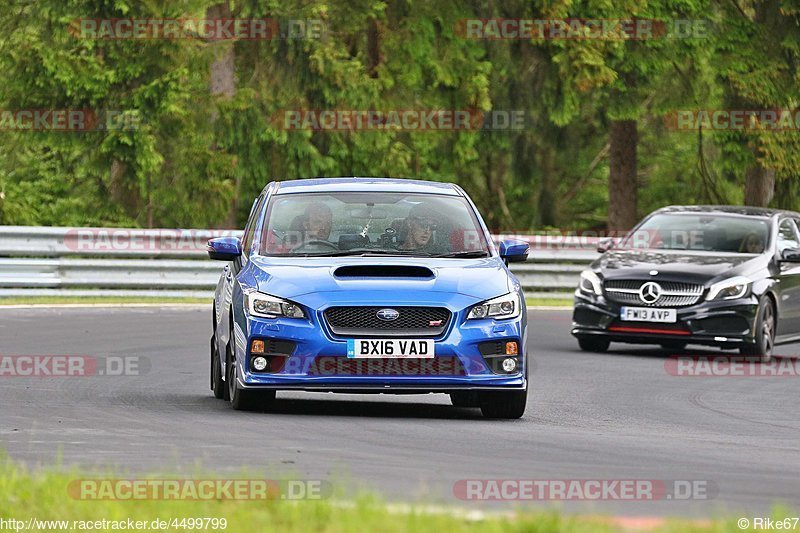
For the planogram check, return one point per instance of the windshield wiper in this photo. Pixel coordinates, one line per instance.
(365, 252)
(465, 254)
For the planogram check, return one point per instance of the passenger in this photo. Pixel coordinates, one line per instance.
(419, 227)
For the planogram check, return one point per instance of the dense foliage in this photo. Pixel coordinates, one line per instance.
(203, 146)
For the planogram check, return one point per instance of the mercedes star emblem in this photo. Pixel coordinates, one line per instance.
(650, 292)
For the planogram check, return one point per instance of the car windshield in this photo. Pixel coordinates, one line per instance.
(374, 223)
(701, 232)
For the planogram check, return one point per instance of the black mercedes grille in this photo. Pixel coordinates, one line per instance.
(410, 321)
(673, 293)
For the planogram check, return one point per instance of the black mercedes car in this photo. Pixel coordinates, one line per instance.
(725, 276)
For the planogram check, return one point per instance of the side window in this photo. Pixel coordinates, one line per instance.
(787, 236)
(250, 228)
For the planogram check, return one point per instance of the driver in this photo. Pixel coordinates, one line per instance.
(317, 222)
(752, 244)
(419, 227)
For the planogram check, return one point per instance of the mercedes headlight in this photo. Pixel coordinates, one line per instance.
(591, 283)
(506, 306)
(730, 289)
(264, 305)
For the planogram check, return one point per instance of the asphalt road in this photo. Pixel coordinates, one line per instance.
(618, 415)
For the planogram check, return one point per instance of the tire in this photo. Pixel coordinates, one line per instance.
(505, 404)
(765, 332)
(594, 345)
(465, 399)
(676, 346)
(218, 385)
(243, 399)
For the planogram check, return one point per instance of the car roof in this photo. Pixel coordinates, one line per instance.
(365, 184)
(745, 210)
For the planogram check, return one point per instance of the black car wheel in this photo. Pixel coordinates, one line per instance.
(465, 399)
(594, 345)
(217, 383)
(765, 332)
(503, 404)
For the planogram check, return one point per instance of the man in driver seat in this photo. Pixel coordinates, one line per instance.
(317, 222)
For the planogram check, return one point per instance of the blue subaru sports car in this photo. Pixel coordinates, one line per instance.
(367, 285)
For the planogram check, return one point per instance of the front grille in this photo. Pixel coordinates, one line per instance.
(725, 325)
(673, 293)
(492, 348)
(411, 321)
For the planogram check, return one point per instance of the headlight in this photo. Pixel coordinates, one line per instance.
(730, 289)
(591, 283)
(506, 306)
(264, 305)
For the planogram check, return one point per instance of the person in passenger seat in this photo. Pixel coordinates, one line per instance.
(420, 225)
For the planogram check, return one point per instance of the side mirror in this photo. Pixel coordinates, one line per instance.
(604, 245)
(791, 255)
(514, 251)
(224, 248)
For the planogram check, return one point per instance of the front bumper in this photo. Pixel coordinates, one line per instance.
(727, 323)
(319, 361)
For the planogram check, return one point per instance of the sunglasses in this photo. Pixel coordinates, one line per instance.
(425, 224)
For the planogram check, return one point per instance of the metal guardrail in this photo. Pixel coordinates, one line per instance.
(49, 261)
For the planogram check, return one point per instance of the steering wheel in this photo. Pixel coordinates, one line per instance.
(317, 242)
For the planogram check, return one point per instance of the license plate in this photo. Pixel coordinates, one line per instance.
(648, 314)
(389, 348)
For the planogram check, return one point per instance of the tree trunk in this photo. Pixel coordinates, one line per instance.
(622, 178)
(547, 200)
(223, 81)
(759, 185)
(759, 182)
(222, 85)
(373, 47)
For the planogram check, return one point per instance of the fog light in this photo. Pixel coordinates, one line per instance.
(509, 364)
(511, 348)
(260, 363)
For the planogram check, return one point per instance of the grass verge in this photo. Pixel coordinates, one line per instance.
(43, 495)
(548, 302)
(49, 300)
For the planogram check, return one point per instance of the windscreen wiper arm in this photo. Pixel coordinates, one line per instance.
(367, 252)
(465, 254)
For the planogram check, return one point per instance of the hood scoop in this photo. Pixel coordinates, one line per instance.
(383, 271)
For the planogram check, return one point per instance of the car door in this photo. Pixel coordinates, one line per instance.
(789, 277)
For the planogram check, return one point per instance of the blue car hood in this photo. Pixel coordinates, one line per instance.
(475, 279)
